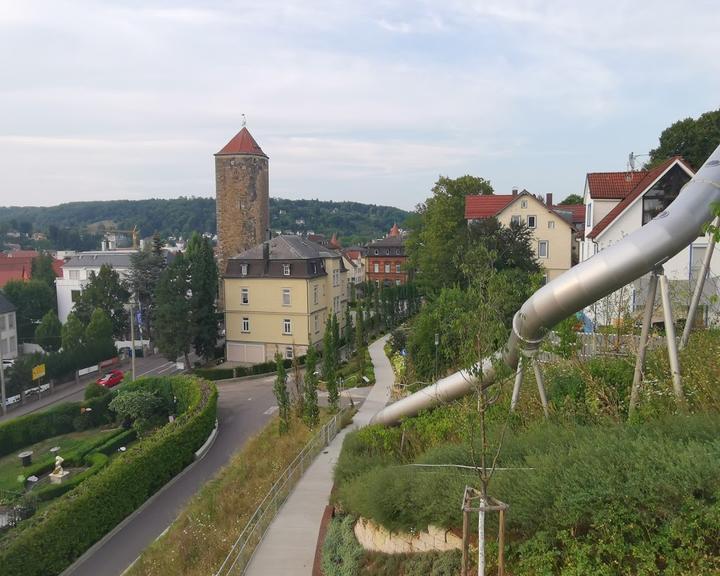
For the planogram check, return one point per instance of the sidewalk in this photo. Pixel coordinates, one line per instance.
(289, 544)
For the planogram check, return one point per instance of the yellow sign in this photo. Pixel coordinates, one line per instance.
(38, 371)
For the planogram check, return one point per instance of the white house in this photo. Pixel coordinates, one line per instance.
(8, 329)
(618, 203)
(76, 275)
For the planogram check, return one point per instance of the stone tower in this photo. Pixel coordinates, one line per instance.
(242, 197)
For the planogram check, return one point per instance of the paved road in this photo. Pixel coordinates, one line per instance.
(243, 408)
(72, 392)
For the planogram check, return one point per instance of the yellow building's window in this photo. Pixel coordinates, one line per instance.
(246, 324)
(244, 296)
(286, 297)
(287, 326)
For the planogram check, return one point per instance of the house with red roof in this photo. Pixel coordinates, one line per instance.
(551, 226)
(17, 265)
(617, 204)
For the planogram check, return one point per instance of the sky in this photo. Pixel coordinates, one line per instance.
(369, 101)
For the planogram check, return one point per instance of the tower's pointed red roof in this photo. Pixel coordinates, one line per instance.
(242, 143)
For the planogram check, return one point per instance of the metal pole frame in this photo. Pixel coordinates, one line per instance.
(518, 383)
(671, 342)
(642, 348)
(697, 294)
(3, 396)
(132, 343)
(540, 386)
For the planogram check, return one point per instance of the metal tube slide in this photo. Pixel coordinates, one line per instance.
(604, 273)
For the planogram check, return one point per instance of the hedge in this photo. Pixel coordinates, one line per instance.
(240, 371)
(50, 541)
(24, 431)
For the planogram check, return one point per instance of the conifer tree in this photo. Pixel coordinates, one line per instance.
(311, 412)
(281, 395)
(330, 365)
(173, 333)
(203, 286)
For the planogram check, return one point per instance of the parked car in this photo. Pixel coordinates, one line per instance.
(112, 378)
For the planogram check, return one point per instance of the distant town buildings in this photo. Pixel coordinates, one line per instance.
(8, 329)
(387, 260)
(278, 296)
(17, 265)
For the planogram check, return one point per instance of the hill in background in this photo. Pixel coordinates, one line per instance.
(352, 221)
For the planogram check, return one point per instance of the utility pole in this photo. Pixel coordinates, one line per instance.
(132, 342)
(2, 382)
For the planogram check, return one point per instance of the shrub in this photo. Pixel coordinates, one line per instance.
(48, 542)
(341, 553)
(25, 430)
(93, 390)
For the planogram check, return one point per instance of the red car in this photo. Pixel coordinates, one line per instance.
(112, 378)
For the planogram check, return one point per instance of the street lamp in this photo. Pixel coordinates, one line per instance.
(437, 343)
(132, 337)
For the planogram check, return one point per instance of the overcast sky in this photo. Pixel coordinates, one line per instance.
(352, 99)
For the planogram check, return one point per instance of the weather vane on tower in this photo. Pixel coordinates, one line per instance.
(244, 120)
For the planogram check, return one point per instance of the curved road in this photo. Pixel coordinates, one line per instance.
(243, 408)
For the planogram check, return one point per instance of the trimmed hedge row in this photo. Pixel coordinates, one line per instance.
(240, 371)
(52, 540)
(61, 419)
(26, 430)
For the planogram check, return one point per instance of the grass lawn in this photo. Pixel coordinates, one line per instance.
(11, 467)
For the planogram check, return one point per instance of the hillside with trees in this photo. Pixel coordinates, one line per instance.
(76, 225)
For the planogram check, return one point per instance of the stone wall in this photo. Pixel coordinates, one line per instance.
(243, 211)
(376, 538)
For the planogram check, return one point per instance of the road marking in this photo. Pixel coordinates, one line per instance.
(166, 369)
(156, 368)
(271, 410)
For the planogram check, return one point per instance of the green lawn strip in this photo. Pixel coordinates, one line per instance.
(201, 537)
(11, 467)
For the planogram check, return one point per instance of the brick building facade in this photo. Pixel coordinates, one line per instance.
(386, 260)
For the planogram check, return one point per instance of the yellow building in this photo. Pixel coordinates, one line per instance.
(278, 296)
(552, 229)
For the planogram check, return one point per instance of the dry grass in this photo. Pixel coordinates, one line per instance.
(199, 540)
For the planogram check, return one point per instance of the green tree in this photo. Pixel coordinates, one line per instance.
(73, 335)
(141, 407)
(330, 364)
(106, 291)
(100, 328)
(692, 139)
(281, 394)
(348, 329)
(145, 270)
(359, 327)
(572, 199)
(171, 313)
(204, 288)
(48, 332)
(33, 300)
(311, 412)
(438, 232)
(42, 269)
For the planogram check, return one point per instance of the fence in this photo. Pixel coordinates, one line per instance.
(244, 547)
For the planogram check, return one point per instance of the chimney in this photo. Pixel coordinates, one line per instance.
(514, 191)
(266, 255)
(548, 200)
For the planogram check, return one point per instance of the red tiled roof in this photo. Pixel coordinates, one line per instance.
(577, 211)
(613, 185)
(641, 186)
(32, 254)
(57, 267)
(242, 143)
(14, 271)
(487, 205)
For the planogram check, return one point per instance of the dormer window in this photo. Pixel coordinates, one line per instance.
(387, 252)
(243, 269)
(286, 269)
(377, 251)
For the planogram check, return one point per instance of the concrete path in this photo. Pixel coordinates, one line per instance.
(289, 544)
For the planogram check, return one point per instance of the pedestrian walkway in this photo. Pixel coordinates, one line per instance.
(288, 547)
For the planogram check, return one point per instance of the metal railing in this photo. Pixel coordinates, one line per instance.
(244, 547)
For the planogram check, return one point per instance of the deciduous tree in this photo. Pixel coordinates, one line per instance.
(106, 291)
(310, 405)
(692, 139)
(48, 332)
(281, 394)
(33, 300)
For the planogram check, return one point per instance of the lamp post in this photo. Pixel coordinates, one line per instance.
(437, 343)
(132, 339)
(2, 380)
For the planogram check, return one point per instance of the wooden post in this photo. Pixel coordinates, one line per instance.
(466, 537)
(501, 543)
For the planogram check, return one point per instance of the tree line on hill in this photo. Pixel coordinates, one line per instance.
(80, 225)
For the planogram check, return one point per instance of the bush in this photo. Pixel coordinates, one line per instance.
(93, 390)
(416, 564)
(25, 430)
(341, 553)
(47, 543)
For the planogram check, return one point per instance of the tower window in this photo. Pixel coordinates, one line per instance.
(286, 269)
(243, 269)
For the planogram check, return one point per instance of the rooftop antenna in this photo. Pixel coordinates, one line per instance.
(632, 158)
(244, 122)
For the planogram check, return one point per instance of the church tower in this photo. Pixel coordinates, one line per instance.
(242, 196)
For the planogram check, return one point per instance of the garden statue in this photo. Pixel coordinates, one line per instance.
(58, 465)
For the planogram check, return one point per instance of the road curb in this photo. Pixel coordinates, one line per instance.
(125, 521)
